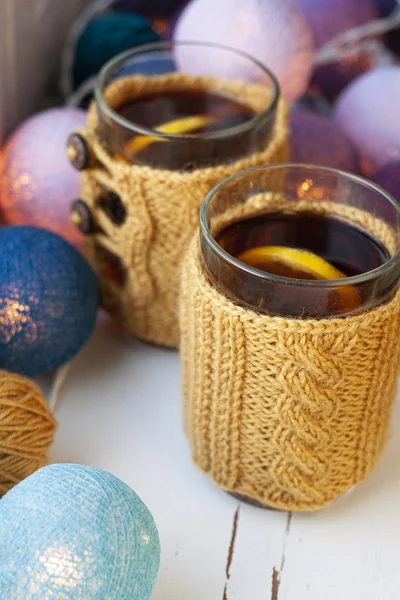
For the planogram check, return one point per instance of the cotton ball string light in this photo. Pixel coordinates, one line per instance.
(388, 177)
(273, 32)
(48, 300)
(333, 78)
(37, 183)
(329, 18)
(106, 36)
(76, 532)
(368, 112)
(317, 140)
(27, 430)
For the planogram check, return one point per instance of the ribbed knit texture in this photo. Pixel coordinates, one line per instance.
(162, 210)
(287, 412)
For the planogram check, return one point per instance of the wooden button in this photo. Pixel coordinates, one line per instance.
(82, 217)
(78, 152)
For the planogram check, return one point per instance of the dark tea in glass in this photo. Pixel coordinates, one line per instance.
(169, 118)
(188, 112)
(301, 241)
(304, 246)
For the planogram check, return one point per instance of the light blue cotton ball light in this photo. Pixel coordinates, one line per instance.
(72, 532)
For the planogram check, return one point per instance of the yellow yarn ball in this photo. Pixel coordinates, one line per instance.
(27, 429)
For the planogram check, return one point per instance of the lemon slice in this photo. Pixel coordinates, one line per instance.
(295, 258)
(178, 126)
(307, 262)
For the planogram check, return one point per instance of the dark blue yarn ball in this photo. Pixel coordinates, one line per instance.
(105, 37)
(48, 300)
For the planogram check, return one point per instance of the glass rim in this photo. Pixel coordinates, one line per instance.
(353, 280)
(165, 45)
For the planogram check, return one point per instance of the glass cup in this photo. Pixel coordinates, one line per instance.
(228, 132)
(296, 189)
(170, 120)
(344, 217)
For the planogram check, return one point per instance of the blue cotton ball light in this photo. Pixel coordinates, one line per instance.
(72, 532)
(48, 300)
(106, 36)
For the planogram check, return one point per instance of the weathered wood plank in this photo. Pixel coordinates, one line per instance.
(121, 411)
(259, 554)
(350, 550)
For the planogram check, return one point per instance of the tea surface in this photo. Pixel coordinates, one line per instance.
(346, 247)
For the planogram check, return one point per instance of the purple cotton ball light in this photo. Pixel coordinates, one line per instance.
(38, 184)
(317, 140)
(388, 177)
(368, 112)
(332, 79)
(327, 19)
(273, 32)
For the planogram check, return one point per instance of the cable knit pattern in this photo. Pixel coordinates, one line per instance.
(162, 210)
(287, 412)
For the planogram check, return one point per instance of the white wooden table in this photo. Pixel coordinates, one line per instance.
(120, 410)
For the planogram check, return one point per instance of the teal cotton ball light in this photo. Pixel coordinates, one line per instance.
(106, 36)
(72, 532)
(48, 300)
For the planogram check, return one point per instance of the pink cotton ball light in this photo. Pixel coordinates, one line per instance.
(315, 139)
(368, 113)
(275, 33)
(37, 182)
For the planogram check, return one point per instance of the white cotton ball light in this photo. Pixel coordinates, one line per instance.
(275, 33)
